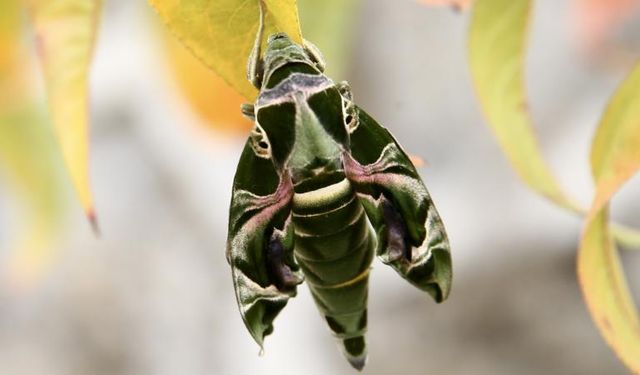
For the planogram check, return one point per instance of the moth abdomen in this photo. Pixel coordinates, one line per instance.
(344, 308)
(334, 247)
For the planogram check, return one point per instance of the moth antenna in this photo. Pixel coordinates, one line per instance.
(248, 111)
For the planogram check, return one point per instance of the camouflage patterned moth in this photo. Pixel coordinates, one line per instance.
(321, 187)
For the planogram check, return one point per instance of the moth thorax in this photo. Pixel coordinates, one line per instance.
(315, 153)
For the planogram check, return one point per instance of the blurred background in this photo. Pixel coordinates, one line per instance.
(153, 294)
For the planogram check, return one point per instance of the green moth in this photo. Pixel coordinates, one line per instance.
(321, 187)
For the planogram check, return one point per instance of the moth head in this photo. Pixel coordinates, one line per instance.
(282, 52)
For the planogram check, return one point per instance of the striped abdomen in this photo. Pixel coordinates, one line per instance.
(334, 247)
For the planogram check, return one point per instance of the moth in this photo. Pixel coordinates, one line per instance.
(320, 189)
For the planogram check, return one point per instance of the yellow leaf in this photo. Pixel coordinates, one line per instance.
(12, 81)
(615, 153)
(28, 161)
(211, 97)
(497, 43)
(615, 157)
(221, 32)
(65, 31)
(218, 104)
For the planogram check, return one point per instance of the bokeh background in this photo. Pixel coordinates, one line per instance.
(153, 294)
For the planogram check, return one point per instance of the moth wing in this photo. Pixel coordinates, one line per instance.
(260, 243)
(411, 236)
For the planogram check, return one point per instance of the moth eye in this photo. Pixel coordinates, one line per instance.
(348, 119)
(345, 90)
(260, 143)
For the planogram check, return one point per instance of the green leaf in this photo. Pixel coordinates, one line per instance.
(221, 32)
(28, 157)
(615, 157)
(497, 43)
(65, 32)
(334, 38)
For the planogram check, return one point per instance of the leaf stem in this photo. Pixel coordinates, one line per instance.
(628, 238)
(625, 236)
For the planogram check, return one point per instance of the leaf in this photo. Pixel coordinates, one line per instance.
(12, 82)
(209, 96)
(221, 32)
(28, 157)
(626, 237)
(65, 32)
(615, 153)
(9, 31)
(497, 43)
(329, 24)
(28, 160)
(615, 157)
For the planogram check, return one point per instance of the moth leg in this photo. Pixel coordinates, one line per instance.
(314, 54)
(255, 67)
(398, 246)
(280, 263)
(248, 111)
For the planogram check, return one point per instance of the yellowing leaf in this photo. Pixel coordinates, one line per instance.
(615, 153)
(615, 157)
(221, 32)
(9, 31)
(626, 237)
(28, 161)
(497, 42)
(208, 94)
(65, 31)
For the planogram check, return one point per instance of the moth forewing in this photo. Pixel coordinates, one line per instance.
(259, 253)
